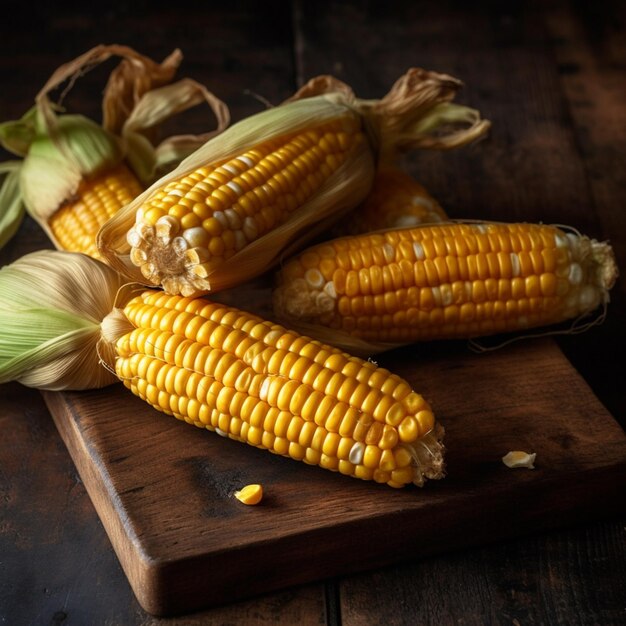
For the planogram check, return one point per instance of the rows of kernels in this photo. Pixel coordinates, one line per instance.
(396, 200)
(210, 387)
(210, 214)
(441, 281)
(76, 223)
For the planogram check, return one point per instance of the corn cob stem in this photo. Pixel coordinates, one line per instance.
(253, 381)
(444, 281)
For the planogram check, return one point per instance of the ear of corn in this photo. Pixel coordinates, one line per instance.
(75, 174)
(269, 183)
(229, 211)
(214, 367)
(256, 382)
(443, 281)
(396, 200)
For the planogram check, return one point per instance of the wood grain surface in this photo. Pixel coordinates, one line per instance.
(551, 76)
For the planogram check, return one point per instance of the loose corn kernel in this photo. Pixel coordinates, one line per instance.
(250, 494)
(518, 458)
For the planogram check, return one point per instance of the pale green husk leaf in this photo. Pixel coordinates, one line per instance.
(56, 163)
(11, 205)
(51, 306)
(17, 135)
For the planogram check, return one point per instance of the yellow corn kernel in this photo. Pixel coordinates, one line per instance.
(250, 494)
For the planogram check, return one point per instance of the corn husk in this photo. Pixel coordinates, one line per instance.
(11, 206)
(59, 150)
(52, 304)
(437, 124)
(405, 119)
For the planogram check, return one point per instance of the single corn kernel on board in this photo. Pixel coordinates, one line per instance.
(164, 490)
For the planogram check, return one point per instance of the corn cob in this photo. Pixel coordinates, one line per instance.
(396, 200)
(253, 381)
(77, 222)
(271, 182)
(443, 281)
(76, 174)
(215, 367)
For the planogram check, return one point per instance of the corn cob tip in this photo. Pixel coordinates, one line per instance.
(607, 269)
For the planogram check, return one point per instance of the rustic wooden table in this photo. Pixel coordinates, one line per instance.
(551, 76)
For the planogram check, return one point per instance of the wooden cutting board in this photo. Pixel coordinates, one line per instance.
(164, 490)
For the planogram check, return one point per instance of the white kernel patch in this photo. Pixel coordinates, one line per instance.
(356, 453)
(230, 168)
(389, 252)
(515, 264)
(235, 187)
(519, 459)
(133, 238)
(419, 251)
(575, 275)
(246, 160)
(329, 288)
(314, 277)
(561, 241)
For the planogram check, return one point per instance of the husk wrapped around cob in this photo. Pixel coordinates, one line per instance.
(269, 183)
(76, 173)
(396, 199)
(215, 367)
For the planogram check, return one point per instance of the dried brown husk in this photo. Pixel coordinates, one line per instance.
(416, 113)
